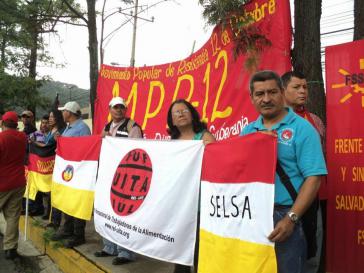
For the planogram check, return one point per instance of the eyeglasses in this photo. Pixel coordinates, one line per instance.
(180, 112)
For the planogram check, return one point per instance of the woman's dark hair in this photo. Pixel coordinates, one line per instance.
(197, 124)
(58, 117)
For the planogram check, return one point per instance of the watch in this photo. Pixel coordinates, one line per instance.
(293, 216)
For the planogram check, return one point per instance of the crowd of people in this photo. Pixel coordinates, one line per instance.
(301, 168)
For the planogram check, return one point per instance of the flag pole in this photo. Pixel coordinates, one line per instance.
(26, 213)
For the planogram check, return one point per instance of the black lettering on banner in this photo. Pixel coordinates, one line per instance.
(226, 206)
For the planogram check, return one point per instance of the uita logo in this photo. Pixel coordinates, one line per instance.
(67, 174)
(131, 182)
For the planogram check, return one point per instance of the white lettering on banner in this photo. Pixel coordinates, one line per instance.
(226, 132)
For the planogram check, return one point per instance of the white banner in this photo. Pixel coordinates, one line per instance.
(146, 196)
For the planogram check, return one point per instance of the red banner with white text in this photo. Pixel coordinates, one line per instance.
(345, 157)
(212, 79)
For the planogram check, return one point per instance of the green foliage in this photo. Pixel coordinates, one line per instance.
(218, 11)
(15, 93)
(247, 37)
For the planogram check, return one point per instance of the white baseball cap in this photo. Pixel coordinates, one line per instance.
(71, 106)
(117, 100)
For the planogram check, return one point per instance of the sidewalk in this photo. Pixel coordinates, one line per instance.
(32, 260)
(81, 259)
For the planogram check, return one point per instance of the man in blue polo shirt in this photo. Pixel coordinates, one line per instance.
(299, 155)
(73, 228)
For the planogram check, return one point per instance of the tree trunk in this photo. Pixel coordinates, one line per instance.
(34, 32)
(358, 19)
(306, 56)
(93, 51)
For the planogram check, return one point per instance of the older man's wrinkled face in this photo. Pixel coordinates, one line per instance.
(296, 92)
(267, 98)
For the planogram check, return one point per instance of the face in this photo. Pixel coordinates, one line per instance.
(25, 119)
(44, 125)
(66, 115)
(181, 115)
(118, 112)
(52, 120)
(268, 99)
(296, 92)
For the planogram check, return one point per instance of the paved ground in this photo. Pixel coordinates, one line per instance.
(39, 260)
(30, 261)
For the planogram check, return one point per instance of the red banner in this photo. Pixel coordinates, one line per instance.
(212, 79)
(345, 157)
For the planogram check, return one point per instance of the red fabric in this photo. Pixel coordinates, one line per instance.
(345, 157)
(12, 153)
(79, 148)
(256, 154)
(213, 79)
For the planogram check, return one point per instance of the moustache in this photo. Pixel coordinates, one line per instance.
(267, 105)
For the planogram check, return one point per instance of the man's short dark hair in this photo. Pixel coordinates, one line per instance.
(286, 77)
(10, 124)
(262, 76)
(45, 117)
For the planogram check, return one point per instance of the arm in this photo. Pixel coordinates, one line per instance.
(306, 195)
(135, 132)
(208, 138)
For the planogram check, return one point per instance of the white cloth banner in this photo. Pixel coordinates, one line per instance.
(146, 196)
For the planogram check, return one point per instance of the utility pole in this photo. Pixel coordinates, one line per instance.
(132, 60)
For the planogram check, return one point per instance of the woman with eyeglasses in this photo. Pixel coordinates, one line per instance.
(184, 123)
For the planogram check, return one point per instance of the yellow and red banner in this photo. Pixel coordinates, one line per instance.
(237, 199)
(345, 157)
(40, 169)
(212, 79)
(74, 175)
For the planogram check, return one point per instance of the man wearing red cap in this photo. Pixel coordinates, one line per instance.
(12, 179)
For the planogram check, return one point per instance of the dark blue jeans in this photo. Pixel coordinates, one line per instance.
(291, 253)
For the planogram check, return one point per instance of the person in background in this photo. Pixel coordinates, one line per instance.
(296, 96)
(300, 165)
(56, 127)
(27, 118)
(36, 207)
(119, 126)
(73, 228)
(184, 123)
(12, 180)
(41, 134)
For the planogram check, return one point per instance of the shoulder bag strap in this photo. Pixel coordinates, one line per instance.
(286, 181)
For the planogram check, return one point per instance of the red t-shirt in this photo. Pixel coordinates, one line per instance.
(12, 153)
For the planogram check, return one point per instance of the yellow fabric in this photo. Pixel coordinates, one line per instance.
(30, 191)
(67, 199)
(43, 182)
(218, 254)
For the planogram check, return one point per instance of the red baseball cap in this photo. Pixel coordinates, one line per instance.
(10, 116)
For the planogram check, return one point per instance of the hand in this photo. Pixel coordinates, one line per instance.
(282, 230)
(56, 135)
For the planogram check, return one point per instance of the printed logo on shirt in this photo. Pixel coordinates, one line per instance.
(286, 136)
(67, 174)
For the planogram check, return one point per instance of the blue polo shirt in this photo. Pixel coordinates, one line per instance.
(78, 128)
(299, 152)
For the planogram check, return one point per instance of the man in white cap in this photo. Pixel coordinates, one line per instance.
(73, 228)
(71, 112)
(119, 126)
